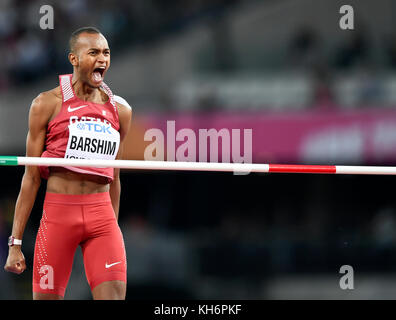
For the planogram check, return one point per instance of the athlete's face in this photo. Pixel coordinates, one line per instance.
(91, 58)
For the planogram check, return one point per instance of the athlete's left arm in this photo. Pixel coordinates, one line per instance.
(125, 117)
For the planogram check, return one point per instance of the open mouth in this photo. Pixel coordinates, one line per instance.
(97, 74)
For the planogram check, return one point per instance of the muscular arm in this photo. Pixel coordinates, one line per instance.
(125, 116)
(40, 112)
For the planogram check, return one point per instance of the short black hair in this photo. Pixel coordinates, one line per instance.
(75, 34)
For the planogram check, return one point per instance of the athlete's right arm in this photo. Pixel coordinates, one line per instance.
(40, 112)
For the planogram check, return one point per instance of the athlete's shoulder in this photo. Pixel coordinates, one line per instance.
(124, 114)
(121, 101)
(46, 101)
(124, 109)
(53, 95)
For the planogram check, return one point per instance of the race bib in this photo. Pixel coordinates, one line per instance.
(92, 140)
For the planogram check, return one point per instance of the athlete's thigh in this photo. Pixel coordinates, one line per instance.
(104, 250)
(56, 242)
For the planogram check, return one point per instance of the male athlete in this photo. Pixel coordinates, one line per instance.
(78, 119)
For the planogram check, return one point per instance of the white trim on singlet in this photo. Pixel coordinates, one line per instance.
(67, 90)
(68, 93)
(122, 101)
(109, 94)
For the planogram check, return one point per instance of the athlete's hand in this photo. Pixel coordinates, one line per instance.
(15, 260)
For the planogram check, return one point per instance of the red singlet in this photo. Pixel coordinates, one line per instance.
(83, 129)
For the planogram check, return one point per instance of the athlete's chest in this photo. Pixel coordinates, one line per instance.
(80, 111)
(88, 130)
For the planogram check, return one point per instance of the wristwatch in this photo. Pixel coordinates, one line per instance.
(12, 241)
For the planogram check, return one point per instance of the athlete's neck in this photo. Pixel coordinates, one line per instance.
(84, 91)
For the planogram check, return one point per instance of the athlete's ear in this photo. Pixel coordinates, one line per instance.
(73, 58)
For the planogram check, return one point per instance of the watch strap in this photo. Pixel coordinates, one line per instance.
(12, 241)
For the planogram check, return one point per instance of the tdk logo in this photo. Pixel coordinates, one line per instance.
(96, 127)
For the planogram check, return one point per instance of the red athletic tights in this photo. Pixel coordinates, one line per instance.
(71, 220)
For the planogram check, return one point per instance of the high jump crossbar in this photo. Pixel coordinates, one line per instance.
(197, 166)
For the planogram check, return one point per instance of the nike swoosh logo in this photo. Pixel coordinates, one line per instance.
(70, 109)
(111, 264)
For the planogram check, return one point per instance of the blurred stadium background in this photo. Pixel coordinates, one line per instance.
(311, 92)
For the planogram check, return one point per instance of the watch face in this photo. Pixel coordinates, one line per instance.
(10, 241)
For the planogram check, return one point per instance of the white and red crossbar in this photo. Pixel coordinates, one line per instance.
(197, 166)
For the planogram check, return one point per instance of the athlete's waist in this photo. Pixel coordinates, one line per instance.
(77, 199)
(91, 175)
